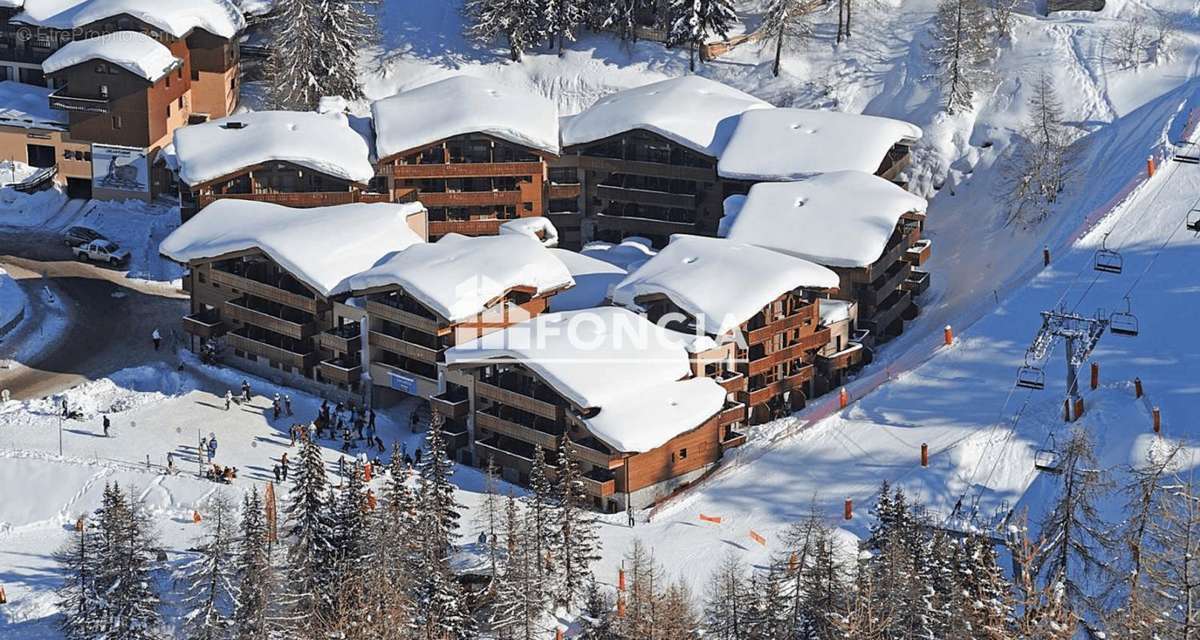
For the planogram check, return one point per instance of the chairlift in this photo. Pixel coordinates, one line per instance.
(1124, 323)
(1187, 153)
(1030, 377)
(1193, 220)
(1047, 460)
(1107, 260)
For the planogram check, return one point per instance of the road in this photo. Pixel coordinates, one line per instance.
(109, 318)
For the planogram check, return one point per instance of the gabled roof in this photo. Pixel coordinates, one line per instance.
(696, 112)
(176, 17)
(840, 219)
(460, 105)
(790, 144)
(322, 247)
(719, 282)
(457, 277)
(323, 142)
(133, 51)
(611, 359)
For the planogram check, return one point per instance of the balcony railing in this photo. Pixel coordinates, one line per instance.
(808, 343)
(517, 400)
(919, 252)
(453, 403)
(917, 282)
(732, 381)
(872, 294)
(264, 290)
(381, 308)
(302, 361)
(601, 484)
(206, 324)
(851, 356)
(646, 196)
(344, 339)
(470, 198)
(516, 430)
(467, 170)
(340, 371)
(237, 310)
(773, 389)
(732, 412)
(733, 438)
(59, 100)
(484, 227)
(886, 314)
(769, 330)
(403, 347)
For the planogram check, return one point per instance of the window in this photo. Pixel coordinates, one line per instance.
(101, 68)
(683, 454)
(104, 91)
(116, 121)
(180, 102)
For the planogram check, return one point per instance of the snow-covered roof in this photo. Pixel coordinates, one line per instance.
(134, 52)
(608, 358)
(28, 106)
(730, 208)
(833, 310)
(322, 247)
(628, 255)
(176, 17)
(537, 227)
(839, 219)
(321, 142)
(696, 112)
(592, 276)
(790, 144)
(719, 282)
(457, 277)
(461, 105)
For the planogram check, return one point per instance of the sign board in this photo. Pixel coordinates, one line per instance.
(120, 169)
(403, 383)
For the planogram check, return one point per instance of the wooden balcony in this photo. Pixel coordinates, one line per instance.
(403, 347)
(264, 290)
(451, 404)
(732, 381)
(470, 198)
(517, 431)
(588, 451)
(235, 310)
(733, 438)
(642, 168)
(59, 100)
(919, 253)
(815, 341)
(503, 458)
(517, 400)
(917, 282)
(646, 196)
(601, 485)
(204, 325)
(467, 170)
(773, 389)
(484, 227)
(631, 224)
(769, 330)
(563, 191)
(849, 357)
(344, 339)
(870, 295)
(886, 314)
(399, 316)
(732, 412)
(302, 200)
(340, 372)
(302, 361)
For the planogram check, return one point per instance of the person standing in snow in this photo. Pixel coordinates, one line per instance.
(156, 337)
(66, 411)
(283, 463)
(212, 448)
(204, 448)
(275, 408)
(287, 404)
(245, 391)
(275, 469)
(106, 424)
(171, 462)
(228, 398)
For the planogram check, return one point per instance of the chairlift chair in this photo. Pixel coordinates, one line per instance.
(1030, 377)
(1107, 260)
(1047, 460)
(1124, 323)
(1193, 220)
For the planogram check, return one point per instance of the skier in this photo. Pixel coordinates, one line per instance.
(292, 431)
(228, 398)
(358, 428)
(171, 462)
(287, 403)
(245, 391)
(275, 407)
(66, 410)
(204, 447)
(157, 338)
(283, 462)
(275, 469)
(371, 421)
(107, 424)
(212, 448)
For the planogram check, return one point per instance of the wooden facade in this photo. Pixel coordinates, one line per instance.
(471, 184)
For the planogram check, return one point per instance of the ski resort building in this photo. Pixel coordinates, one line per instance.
(622, 390)
(294, 158)
(433, 296)
(125, 74)
(474, 152)
(763, 304)
(864, 228)
(270, 285)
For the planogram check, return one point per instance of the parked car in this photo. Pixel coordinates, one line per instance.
(76, 236)
(101, 251)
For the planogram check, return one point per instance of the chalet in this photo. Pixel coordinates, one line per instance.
(762, 305)
(864, 228)
(646, 158)
(270, 285)
(202, 33)
(620, 389)
(433, 296)
(474, 152)
(293, 158)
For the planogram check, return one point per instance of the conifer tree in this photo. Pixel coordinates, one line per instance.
(314, 50)
(491, 514)
(254, 573)
(597, 619)
(350, 552)
(694, 20)
(310, 539)
(209, 589)
(519, 22)
(577, 540)
(785, 21)
(130, 600)
(520, 600)
(1171, 563)
(959, 51)
(728, 601)
(644, 586)
(78, 599)
(1040, 173)
(562, 19)
(543, 515)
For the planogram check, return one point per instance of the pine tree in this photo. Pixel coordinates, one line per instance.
(78, 599)
(520, 600)
(562, 19)
(694, 20)
(350, 552)
(618, 16)
(578, 542)
(727, 604)
(315, 48)
(819, 581)
(491, 515)
(209, 589)
(597, 620)
(519, 22)
(254, 573)
(772, 617)
(129, 600)
(1041, 171)
(987, 604)
(1074, 533)
(959, 52)
(1045, 613)
(1171, 561)
(310, 539)
(543, 515)
(784, 21)
(642, 597)
(676, 618)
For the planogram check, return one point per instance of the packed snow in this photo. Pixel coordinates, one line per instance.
(322, 142)
(461, 105)
(593, 278)
(537, 227)
(839, 219)
(612, 359)
(322, 247)
(28, 106)
(804, 142)
(705, 126)
(629, 254)
(134, 52)
(721, 283)
(458, 277)
(176, 17)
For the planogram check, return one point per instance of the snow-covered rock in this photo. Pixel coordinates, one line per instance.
(134, 52)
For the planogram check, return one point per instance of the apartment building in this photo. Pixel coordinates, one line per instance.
(431, 297)
(638, 420)
(864, 228)
(270, 285)
(473, 151)
(293, 158)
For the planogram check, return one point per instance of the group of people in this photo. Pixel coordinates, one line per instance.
(217, 473)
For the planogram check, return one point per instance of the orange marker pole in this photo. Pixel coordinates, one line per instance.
(1137, 388)
(1046, 256)
(1078, 408)
(924, 454)
(843, 398)
(948, 334)
(1095, 375)
(848, 509)
(1150, 166)
(1157, 420)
